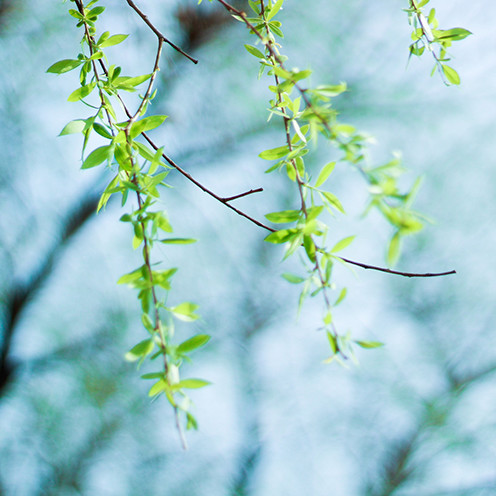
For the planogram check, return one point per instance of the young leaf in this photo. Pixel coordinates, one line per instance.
(394, 249)
(193, 343)
(76, 126)
(81, 93)
(146, 124)
(185, 311)
(159, 387)
(325, 173)
(142, 349)
(341, 296)
(275, 153)
(451, 75)
(97, 156)
(293, 279)
(369, 344)
(341, 245)
(192, 384)
(283, 216)
(275, 9)
(178, 241)
(282, 236)
(113, 40)
(65, 65)
(255, 51)
(454, 34)
(131, 277)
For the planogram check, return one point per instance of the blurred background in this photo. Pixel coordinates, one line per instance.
(416, 417)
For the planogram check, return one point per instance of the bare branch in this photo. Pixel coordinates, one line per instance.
(241, 195)
(160, 36)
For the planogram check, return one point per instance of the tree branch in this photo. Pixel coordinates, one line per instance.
(159, 35)
(224, 200)
(22, 293)
(241, 195)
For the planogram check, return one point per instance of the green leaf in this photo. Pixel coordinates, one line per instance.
(185, 311)
(394, 249)
(341, 245)
(332, 342)
(178, 241)
(95, 12)
(65, 65)
(191, 422)
(113, 40)
(97, 156)
(162, 278)
(159, 387)
(341, 296)
(451, 75)
(107, 194)
(153, 375)
(81, 93)
(331, 91)
(191, 384)
(275, 9)
(274, 153)
(128, 83)
(283, 216)
(332, 200)
(325, 173)
(76, 126)
(131, 277)
(102, 130)
(310, 248)
(146, 124)
(255, 51)
(369, 344)
(292, 278)
(147, 322)
(282, 236)
(454, 34)
(142, 349)
(193, 343)
(146, 152)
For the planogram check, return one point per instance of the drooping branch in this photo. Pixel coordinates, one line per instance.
(241, 195)
(225, 201)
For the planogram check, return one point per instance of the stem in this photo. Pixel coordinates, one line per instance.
(160, 36)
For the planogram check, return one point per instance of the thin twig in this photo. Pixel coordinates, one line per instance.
(145, 98)
(241, 195)
(397, 272)
(158, 33)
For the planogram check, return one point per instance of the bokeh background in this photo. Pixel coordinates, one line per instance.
(415, 418)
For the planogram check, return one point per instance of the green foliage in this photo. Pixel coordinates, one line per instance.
(427, 35)
(140, 168)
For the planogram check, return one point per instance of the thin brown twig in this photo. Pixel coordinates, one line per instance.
(398, 272)
(241, 195)
(158, 33)
(148, 92)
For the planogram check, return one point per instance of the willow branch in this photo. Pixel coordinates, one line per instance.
(223, 200)
(276, 57)
(241, 195)
(397, 272)
(159, 35)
